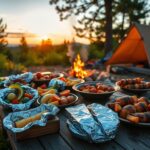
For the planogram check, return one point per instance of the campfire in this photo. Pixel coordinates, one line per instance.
(78, 68)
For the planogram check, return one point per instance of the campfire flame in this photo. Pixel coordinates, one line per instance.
(78, 68)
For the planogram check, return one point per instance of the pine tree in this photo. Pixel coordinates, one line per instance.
(96, 17)
(23, 45)
(24, 50)
(3, 42)
(130, 11)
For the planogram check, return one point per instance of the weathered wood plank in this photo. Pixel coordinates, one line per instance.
(133, 137)
(77, 144)
(144, 136)
(32, 144)
(53, 142)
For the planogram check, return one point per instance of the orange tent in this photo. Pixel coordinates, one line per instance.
(134, 48)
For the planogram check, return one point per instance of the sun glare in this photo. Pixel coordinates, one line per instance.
(43, 37)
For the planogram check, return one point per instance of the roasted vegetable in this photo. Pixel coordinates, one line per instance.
(126, 110)
(126, 100)
(142, 117)
(98, 88)
(124, 82)
(137, 86)
(116, 107)
(132, 108)
(143, 99)
(133, 119)
(141, 107)
(136, 83)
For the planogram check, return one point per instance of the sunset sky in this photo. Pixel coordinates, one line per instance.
(37, 19)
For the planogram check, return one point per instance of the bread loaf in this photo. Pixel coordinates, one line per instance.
(25, 121)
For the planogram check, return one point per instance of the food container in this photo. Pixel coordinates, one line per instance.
(47, 124)
(24, 78)
(21, 106)
(39, 82)
(65, 105)
(101, 98)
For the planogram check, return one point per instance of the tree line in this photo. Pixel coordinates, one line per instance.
(18, 58)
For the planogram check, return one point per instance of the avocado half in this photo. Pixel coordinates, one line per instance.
(19, 89)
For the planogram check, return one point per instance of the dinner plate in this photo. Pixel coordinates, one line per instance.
(63, 106)
(134, 124)
(136, 91)
(131, 123)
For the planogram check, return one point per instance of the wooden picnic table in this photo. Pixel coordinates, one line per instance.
(127, 138)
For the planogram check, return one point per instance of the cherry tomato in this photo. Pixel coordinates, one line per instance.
(39, 75)
(46, 77)
(28, 95)
(15, 101)
(63, 79)
(43, 86)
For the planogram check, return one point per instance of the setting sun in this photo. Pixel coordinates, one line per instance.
(43, 37)
(42, 21)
